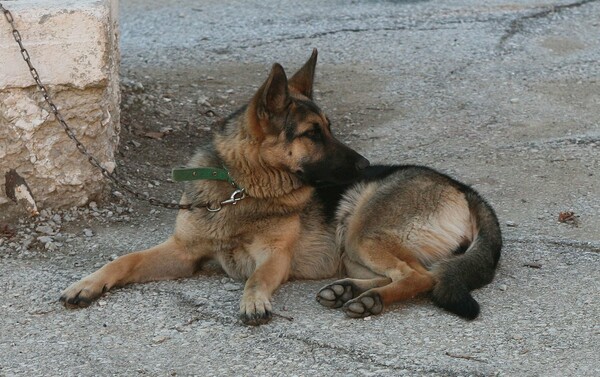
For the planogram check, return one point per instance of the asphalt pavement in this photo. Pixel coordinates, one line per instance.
(503, 95)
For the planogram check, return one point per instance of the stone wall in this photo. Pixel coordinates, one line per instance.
(74, 46)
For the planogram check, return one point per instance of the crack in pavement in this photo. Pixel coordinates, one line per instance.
(582, 245)
(518, 25)
(415, 26)
(370, 360)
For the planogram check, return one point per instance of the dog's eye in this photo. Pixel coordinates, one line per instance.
(314, 133)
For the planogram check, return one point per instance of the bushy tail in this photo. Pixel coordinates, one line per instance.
(475, 268)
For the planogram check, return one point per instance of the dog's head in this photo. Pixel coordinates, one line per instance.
(294, 133)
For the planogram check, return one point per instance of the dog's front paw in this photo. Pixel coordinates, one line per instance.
(369, 303)
(255, 310)
(82, 293)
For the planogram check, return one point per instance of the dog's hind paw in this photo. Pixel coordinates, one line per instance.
(335, 295)
(369, 303)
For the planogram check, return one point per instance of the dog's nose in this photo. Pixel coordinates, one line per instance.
(362, 163)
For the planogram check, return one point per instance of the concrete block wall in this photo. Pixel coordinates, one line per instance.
(74, 47)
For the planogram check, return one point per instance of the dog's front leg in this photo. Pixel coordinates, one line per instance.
(270, 273)
(169, 260)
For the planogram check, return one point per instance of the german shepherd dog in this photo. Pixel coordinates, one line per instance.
(313, 208)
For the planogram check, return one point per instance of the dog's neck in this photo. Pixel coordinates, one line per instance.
(240, 156)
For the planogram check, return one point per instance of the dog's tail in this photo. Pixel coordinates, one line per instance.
(457, 276)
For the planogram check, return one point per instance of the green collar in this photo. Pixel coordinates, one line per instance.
(193, 174)
(219, 174)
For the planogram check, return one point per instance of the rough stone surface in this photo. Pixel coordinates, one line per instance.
(74, 47)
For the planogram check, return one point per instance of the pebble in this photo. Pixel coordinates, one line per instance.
(231, 287)
(502, 287)
(45, 229)
(511, 224)
(159, 339)
(88, 232)
(45, 239)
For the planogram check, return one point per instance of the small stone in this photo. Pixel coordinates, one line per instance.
(159, 339)
(45, 229)
(511, 224)
(93, 206)
(231, 287)
(502, 287)
(517, 337)
(368, 318)
(88, 233)
(514, 100)
(45, 239)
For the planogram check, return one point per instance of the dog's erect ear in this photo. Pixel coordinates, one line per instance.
(273, 97)
(303, 80)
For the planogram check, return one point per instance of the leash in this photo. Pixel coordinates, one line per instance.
(178, 174)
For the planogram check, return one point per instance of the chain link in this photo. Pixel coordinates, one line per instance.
(69, 131)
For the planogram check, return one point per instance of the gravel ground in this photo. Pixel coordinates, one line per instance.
(503, 95)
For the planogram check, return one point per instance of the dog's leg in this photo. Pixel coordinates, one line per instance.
(373, 301)
(255, 307)
(388, 258)
(169, 260)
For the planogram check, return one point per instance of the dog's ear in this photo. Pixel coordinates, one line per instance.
(302, 81)
(273, 97)
(269, 104)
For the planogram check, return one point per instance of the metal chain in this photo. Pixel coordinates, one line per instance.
(69, 131)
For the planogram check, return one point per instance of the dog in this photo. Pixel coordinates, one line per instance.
(290, 201)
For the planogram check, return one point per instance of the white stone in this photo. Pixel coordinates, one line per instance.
(74, 47)
(68, 42)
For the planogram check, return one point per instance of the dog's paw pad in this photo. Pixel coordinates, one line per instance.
(334, 295)
(364, 305)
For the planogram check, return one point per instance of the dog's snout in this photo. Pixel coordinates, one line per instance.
(362, 163)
